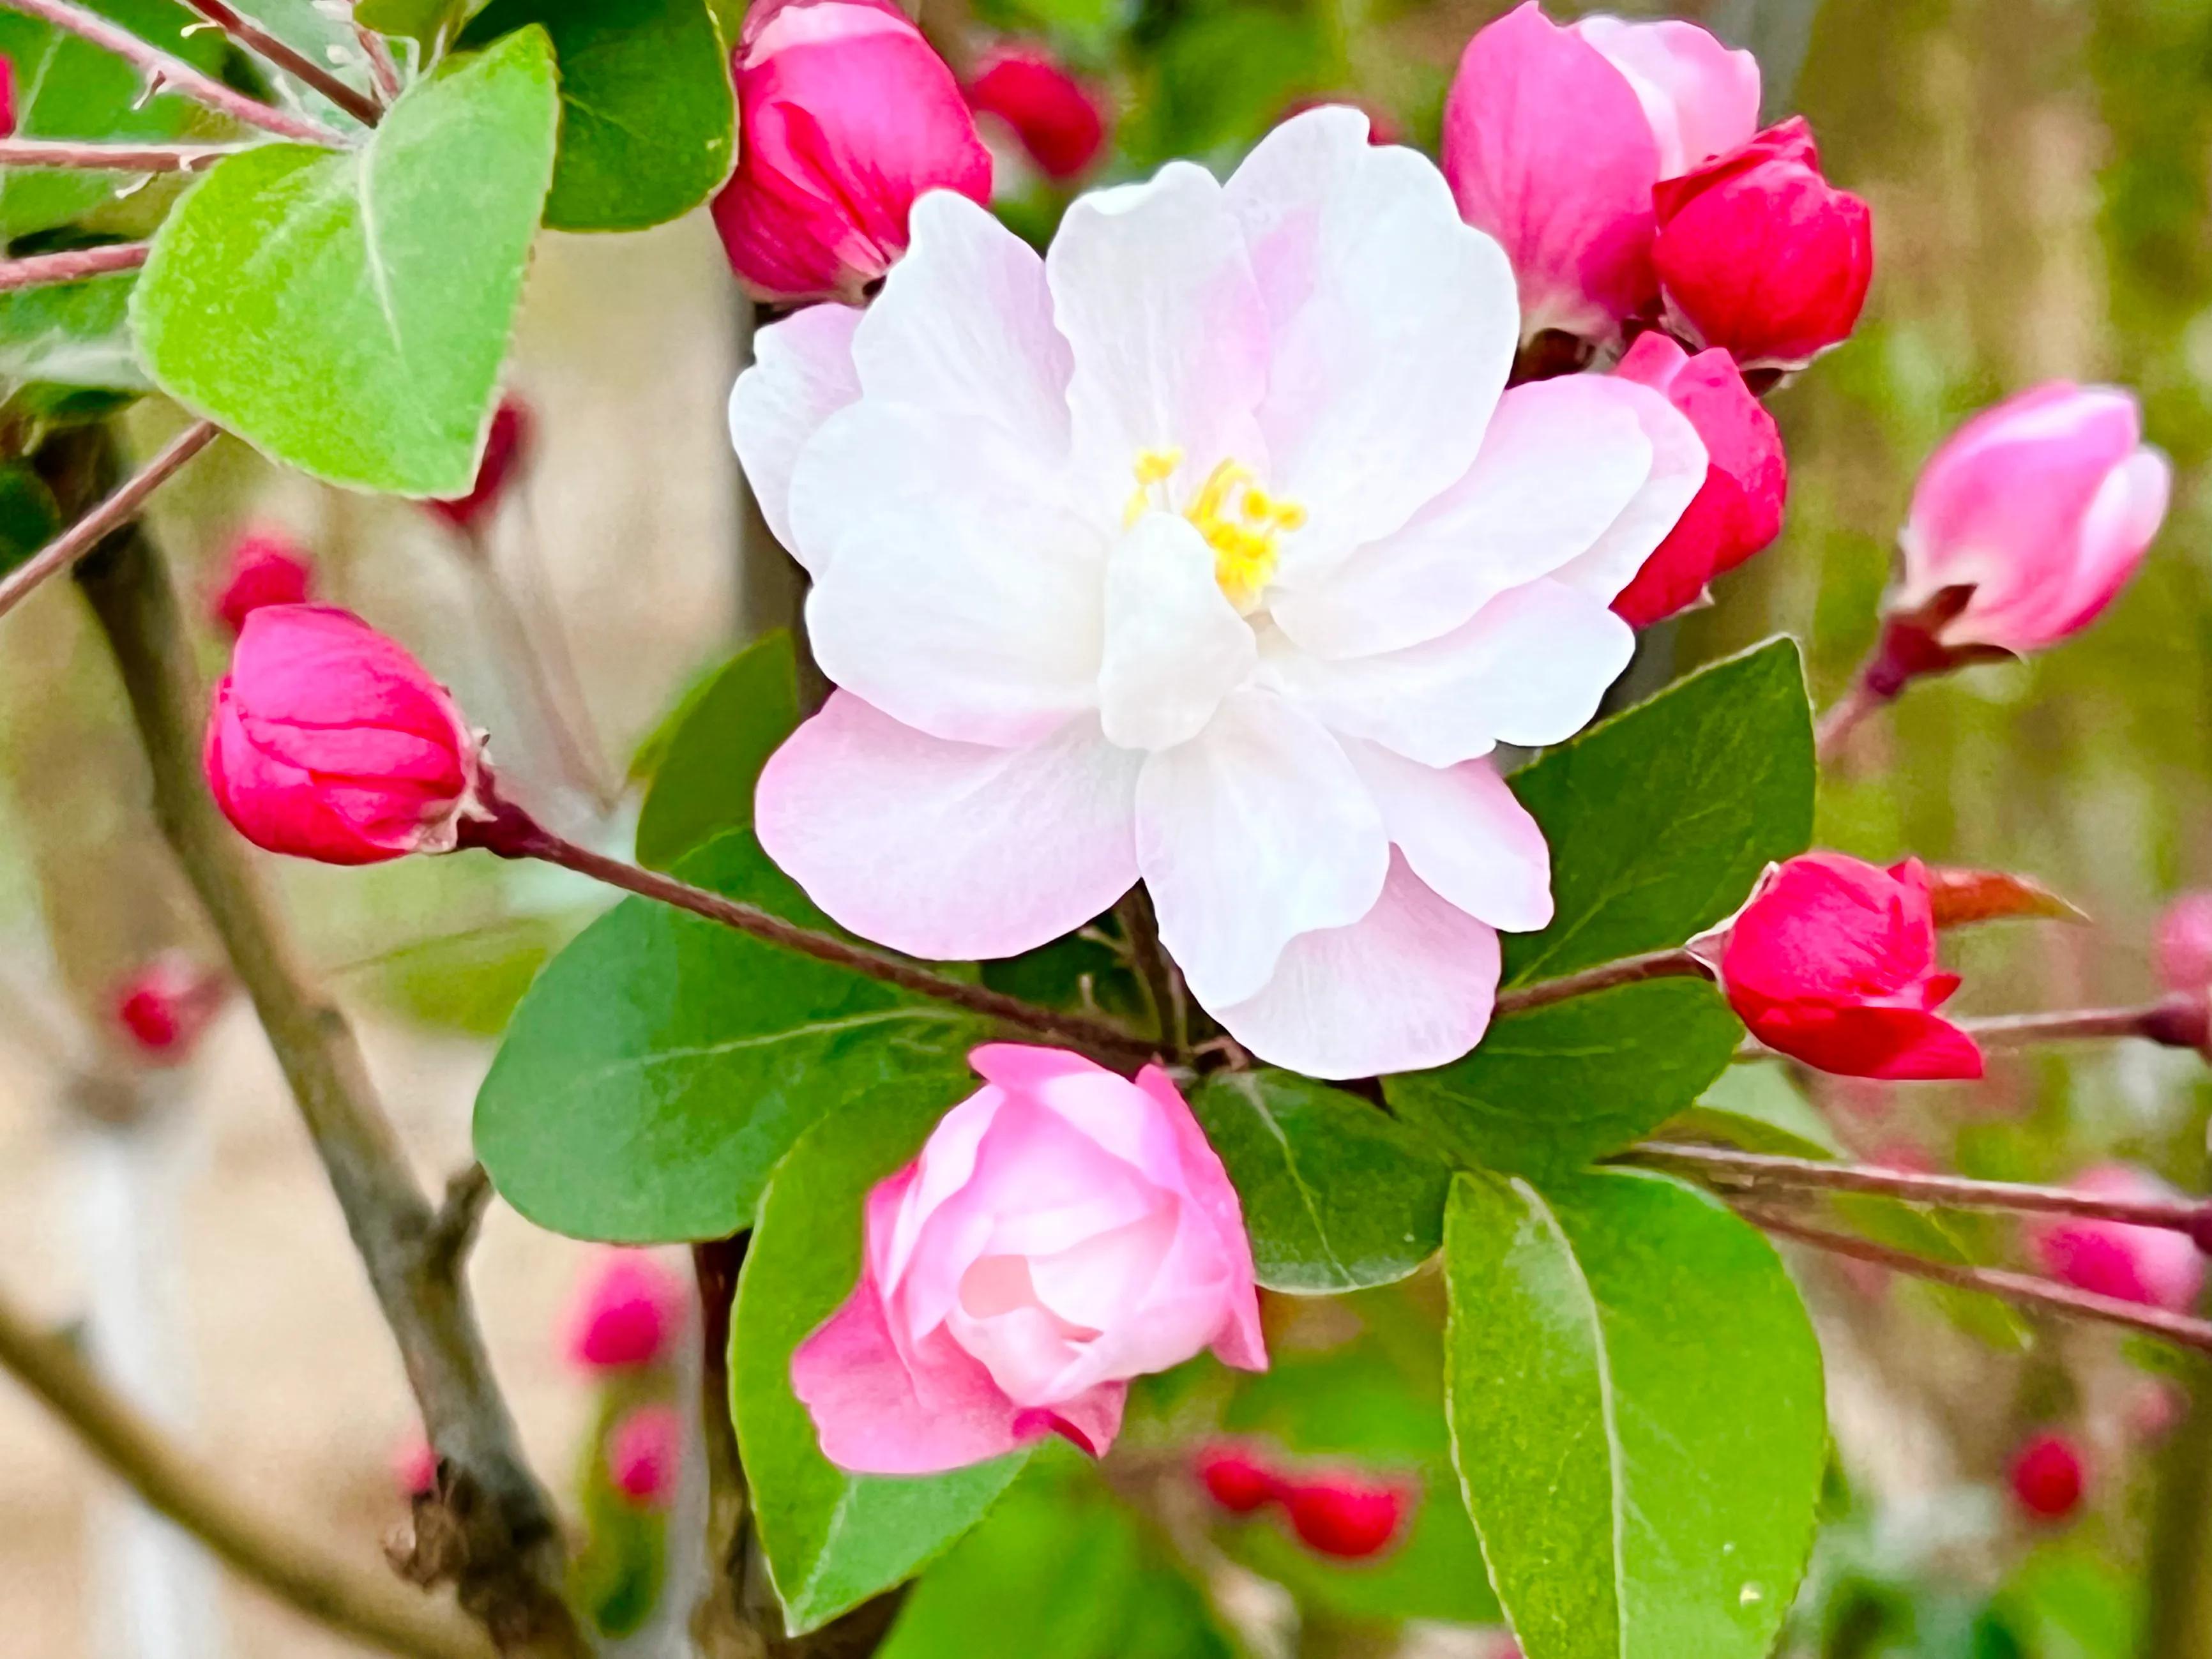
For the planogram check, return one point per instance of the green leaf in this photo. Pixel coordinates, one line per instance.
(833, 1540)
(1337, 1194)
(648, 118)
(348, 312)
(1057, 1570)
(1635, 1397)
(1758, 1107)
(431, 23)
(703, 784)
(29, 515)
(74, 334)
(1552, 1088)
(1660, 819)
(663, 1063)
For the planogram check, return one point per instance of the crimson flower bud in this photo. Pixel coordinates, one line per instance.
(1060, 120)
(165, 1007)
(266, 566)
(644, 1453)
(414, 1466)
(1738, 509)
(2183, 948)
(628, 1313)
(1760, 255)
(506, 447)
(1345, 1516)
(2048, 1476)
(2154, 1266)
(1833, 962)
(847, 115)
(7, 98)
(1236, 1478)
(329, 741)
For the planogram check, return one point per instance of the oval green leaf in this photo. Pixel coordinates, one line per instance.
(702, 784)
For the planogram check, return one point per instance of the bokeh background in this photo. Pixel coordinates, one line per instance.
(2041, 177)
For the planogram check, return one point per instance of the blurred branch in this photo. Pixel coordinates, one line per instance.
(266, 46)
(96, 157)
(71, 265)
(82, 537)
(491, 1527)
(165, 72)
(2182, 1021)
(271, 1553)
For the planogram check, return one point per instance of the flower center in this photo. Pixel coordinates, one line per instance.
(1240, 521)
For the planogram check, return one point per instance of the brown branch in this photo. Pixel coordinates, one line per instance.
(2023, 1289)
(491, 1527)
(1629, 971)
(92, 157)
(166, 72)
(2178, 1022)
(118, 509)
(276, 1554)
(265, 46)
(70, 266)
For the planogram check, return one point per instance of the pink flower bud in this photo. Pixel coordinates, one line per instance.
(630, 1310)
(2182, 950)
(1760, 255)
(644, 1454)
(2153, 1266)
(847, 115)
(328, 741)
(1348, 1516)
(1833, 962)
(1236, 1478)
(266, 566)
(2028, 520)
(2047, 1477)
(506, 449)
(7, 97)
(1554, 137)
(165, 1007)
(414, 1465)
(1064, 1230)
(1738, 509)
(1061, 120)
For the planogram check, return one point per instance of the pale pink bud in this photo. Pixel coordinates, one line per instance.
(1059, 119)
(506, 450)
(2154, 1266)
(1064, 1230)
(847, 116)
(2182, 950)
(644, 1453)
(165, 1007)
(2029, 519)
(329, 741)
(1554, 139)
(266, 566)
(630, 1310)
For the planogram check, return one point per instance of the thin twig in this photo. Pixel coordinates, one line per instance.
(2024, 1288)
(257, 40)
(275, 1554)
(1751, 1171)
(92, 157)
(1163, 984)
(2178, 1022)
(118, 509)
(1629, 971)
(1844, 717)
(166, 72)
(70, 266)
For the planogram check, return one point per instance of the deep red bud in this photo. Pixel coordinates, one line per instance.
(1236, 1478)
(2048, 1477)
(165, 1007)
(1759, 254)
(1060, 120)
(1346, 1516)
(7, 97)
(507, 450)
(266, 566)
(630, 1310)
(644, 1453)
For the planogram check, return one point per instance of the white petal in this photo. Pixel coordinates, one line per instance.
(1678, 472)
(1561, 462)
(1385, 370)
(964, 327)
(1255, 831)
(1152, 289)
(1530, 668)
(1465, 834)
(957, 593)
(1174, 646)
(948, 850)
(801, 375)
(1408, 986)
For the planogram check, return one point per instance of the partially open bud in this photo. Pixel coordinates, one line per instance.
(1760, 255)
(847, 116)
(1348, 1516)
(329, 741)
(165, 1007)
(2182, 950)
(2047, 1477)
(506, 449)
(630, 1310)
(2154, 1266)
(1058, 119)
(644, 1454)
(266, 566)
(1738, 509)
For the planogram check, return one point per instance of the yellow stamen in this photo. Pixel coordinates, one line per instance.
(1240, 521)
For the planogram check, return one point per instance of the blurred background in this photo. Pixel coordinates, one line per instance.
(2041, 177)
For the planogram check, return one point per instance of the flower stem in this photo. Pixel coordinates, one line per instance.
(2178, 1022)
(1629, 971)
(266, 46)
(1844, 716)
(118, 509)
(70, 266)
(94, 157)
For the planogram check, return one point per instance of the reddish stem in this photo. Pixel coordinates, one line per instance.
(118, 509)
(257, 40)
(1629, 971)
(2180, 1021)
(112, 158)
(71, 265)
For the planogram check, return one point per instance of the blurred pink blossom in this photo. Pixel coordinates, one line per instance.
(2151, 1264)
(645, 1452)
(2183, 948)
(630, 1310)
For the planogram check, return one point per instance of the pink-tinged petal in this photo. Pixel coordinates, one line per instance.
(1464, 834)
(1254, 832)
(1153, 290)
(1700, 97)
(1174, 646)
(1895, 1045)
(801, 375)
(2182, 949)
(1679, 463)
(950, 850)
(1548, 150)
(1561, 461)
(1409, 986)
(2116, 531)
(1089, 1422)
(1208, 1190)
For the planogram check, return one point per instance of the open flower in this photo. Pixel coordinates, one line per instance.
(1208, 550)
